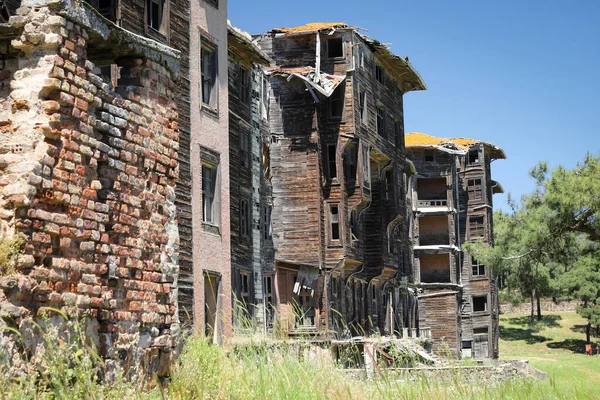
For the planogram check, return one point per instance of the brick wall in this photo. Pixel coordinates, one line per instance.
(87, 178)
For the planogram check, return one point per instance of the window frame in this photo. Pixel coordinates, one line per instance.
(379, 74)
(209, 188)
(342, 48)
(475, 190)
(380, 121)
(244, 149)
(209, 75)
(163, 23)
(474, 230)
(476, 268)
(363, 107)
(245, 85)
(331, 162)
(267, 227)
(430, 153)
(485, 304)
(334, 220)
(350, 164)
(338, 96)
(245, 220)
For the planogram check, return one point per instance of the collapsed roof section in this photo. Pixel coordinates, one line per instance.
(322, 83)
(451, 145)
(398, 68)
(241, 42)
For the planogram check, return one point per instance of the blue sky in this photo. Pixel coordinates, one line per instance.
(524, 75)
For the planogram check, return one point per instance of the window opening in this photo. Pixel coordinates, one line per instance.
(244, 85)
(479, 303)
(381, 121)
(379, 74)
(336, 103)
(335, 48)
(335, 222)
(244, 217)
(362, 106)
(429, 155)
(331, 161)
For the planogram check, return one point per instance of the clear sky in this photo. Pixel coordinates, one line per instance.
(524, 75)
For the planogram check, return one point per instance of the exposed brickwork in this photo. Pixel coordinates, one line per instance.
(89, 181)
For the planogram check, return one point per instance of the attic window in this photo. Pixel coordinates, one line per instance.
(335, 48)
(429, 155)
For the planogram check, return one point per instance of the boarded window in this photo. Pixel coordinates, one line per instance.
(474, 189)
(244, 149)
(480, 304)
(331, 161)
(381, 122)
(244, 85)
(244, 218)
(335, 48)
(208, 68)
(476, 227)
(478, 269)
(379, 74)
(209, 181)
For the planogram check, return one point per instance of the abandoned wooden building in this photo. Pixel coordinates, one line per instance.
(339, 178)
(183, 171)
(458, 297)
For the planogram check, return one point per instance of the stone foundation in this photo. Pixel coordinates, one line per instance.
(88, 164)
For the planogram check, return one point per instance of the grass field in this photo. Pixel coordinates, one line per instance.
(555, 345)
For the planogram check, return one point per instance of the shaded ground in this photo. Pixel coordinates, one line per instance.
(555, 345)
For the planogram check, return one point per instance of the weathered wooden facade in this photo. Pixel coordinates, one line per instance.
(452, 204)
(250, 204)
(340, 221)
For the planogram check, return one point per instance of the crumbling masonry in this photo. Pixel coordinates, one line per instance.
(87, 177)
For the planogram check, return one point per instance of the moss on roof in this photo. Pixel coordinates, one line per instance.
(419, 139)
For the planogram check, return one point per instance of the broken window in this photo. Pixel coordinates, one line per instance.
(354, 227)
(213, 2)
(398, 133)
(362, 107)
(478, 269)
(366, 166)
(244, 217)
(267, 222)
(429, 155)
(331, 161)
(105, 7)
(479, 303)
(209, 181)
(334, 223)
(266, 161)
(350, 161)
(473, 156)
(335, 48)
(379, 74)
(244, 149)
(208, 69)
(336, 103)
(476, 226)
(381, 121)
(245, 289)
(155, 15)
(269, 299)
(244, 85)
(212, 306)
(474, 189)
(389, 184)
